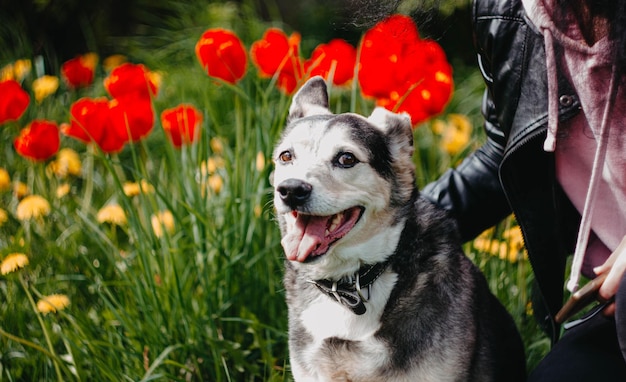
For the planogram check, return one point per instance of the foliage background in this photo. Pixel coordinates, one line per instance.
(204, 302)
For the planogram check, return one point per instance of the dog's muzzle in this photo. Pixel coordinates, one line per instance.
(294, 192)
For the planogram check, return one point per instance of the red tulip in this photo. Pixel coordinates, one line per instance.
(13, 101)
(133, 80)
(132, 118)
(222, 55)
(79, 71)
(182, 124)
(91, 122)
(403, 72)
(337, 56)
(38, 141)
(277, 54)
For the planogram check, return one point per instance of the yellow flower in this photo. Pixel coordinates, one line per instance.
(63, 190)
(514, 237)
(133, 188)
(32, 207)
(4, 216)
(15, 71)
(6, 73)
(258, 211)
(20, 190)
(163, 219)
(216, 183)
(212, 165)
(53, 303)
(21, 68)
(90, 60)
(45, 86)
(113, 61)
(260, 161)
(5, 180)
(113, 214)
(13, 262)
(217, 146)
(455, 132)
(505, 250)
(156, 78)
(67, 163)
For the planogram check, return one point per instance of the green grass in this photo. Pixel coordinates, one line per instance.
(204, 301)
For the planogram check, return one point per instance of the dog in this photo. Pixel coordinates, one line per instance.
(377, 285)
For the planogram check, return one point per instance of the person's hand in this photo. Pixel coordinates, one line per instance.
(615, 265)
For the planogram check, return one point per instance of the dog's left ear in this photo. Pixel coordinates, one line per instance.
(311, 99)
(396, 126)
(398, 130)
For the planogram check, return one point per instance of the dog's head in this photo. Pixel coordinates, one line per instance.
(341, 183)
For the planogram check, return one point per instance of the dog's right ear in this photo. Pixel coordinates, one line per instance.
(311, 99)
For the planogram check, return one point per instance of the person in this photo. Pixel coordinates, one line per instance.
(555, 156)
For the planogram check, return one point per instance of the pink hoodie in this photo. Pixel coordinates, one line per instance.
(590, 149)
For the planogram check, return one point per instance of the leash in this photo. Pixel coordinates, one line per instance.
(347, 291)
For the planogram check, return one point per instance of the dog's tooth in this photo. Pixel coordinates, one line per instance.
(335, 223)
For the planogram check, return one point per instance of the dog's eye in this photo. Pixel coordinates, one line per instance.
(285, 156)
(346, 160)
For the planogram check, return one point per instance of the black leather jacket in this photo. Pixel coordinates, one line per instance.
(511, 172)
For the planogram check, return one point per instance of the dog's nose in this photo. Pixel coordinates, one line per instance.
(294, 192)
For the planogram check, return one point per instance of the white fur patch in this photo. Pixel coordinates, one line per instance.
(325, 318)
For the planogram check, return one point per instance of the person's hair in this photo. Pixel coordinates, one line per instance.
(618, 32)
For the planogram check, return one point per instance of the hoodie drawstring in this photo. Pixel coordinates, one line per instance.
(549, 144)
(596, 172)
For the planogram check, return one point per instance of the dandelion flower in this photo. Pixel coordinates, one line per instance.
(6, 72)
(45, 86)
(135, 188)
(216, 183)
(113, 61)
(455, 133)
(260, 161)
(13, 262)
(4, 216)
(163, 219)
(16, 71)
(514, 236)
(21, 68)
(216, 145)
(5, 180)
(113, 214)
(67, 163)
(53, 303)
(20, 190)
(32, 207)
(63, 190)
(211, 165)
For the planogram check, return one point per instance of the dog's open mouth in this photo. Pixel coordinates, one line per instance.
(313, 235)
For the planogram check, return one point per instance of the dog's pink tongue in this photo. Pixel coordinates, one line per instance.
(305, 237)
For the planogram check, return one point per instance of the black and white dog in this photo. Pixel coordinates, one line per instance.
(378, 286)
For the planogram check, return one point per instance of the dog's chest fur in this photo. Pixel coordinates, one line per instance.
(332, 329)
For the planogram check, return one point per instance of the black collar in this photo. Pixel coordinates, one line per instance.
(347, 291)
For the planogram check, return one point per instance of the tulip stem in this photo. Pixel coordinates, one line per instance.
(43, 328)
(89, 165)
